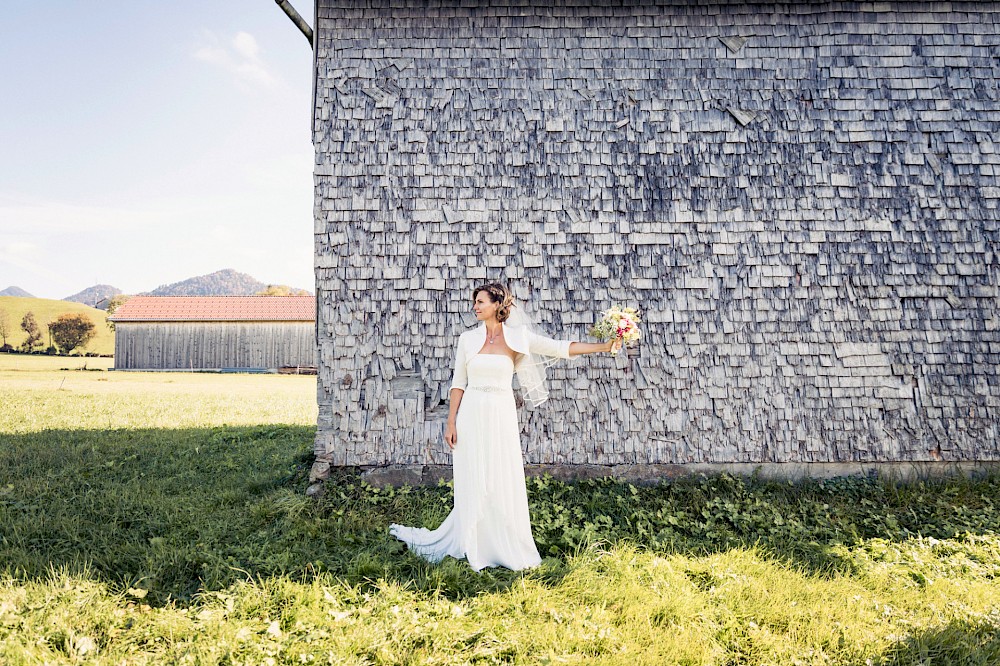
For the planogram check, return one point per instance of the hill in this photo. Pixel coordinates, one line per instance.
(93, 296)
(221, 283)
(15, 291)
(46, 310)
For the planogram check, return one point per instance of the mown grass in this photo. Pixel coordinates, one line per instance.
(162, 519)
(27, 367)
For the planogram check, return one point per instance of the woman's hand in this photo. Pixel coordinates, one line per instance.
(614, 346)
(450, 435)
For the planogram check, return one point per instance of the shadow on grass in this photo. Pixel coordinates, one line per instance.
(813, 525)
(180, 511)
(959, 643)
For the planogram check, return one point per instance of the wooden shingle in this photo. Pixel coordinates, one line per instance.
(808, 219)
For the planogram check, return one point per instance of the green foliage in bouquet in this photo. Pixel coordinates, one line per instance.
(618, 323)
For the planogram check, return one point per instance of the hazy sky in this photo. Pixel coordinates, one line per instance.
(145, 142)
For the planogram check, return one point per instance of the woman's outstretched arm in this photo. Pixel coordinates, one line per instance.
(580, 348)
(546, 346)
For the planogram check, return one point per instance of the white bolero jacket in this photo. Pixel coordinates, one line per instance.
(518, 338)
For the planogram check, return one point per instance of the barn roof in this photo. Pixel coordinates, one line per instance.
(216, 308)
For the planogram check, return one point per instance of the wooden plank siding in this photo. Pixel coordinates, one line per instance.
(213, 345)
(803, 198)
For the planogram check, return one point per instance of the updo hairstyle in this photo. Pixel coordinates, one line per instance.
(497, 293)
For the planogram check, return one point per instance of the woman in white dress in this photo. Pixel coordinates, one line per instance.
(489, 524)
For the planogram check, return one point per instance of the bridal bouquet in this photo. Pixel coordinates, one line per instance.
(618, 323)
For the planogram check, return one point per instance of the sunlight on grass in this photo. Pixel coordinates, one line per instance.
(38, 395)
(161, 518)
(12, 366)
(619, 606)
(47, 310)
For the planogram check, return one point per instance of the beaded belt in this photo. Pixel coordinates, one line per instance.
(490, 389)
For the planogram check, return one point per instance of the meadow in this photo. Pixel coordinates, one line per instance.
(161, 518)
(47, 310)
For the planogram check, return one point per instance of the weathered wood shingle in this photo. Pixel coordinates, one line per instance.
(804, 203)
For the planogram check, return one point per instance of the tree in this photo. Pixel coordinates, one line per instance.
(114, 303)
(70, 331)
(30, 326)
(5, 328)
(281, 290)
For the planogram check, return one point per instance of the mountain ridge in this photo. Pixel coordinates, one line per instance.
(16, 291)
(92, 296)
(227, 282)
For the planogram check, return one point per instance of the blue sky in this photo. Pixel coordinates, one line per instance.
(143, 143)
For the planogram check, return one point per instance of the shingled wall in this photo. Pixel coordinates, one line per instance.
(802, 198)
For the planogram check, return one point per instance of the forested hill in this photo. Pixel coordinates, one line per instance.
(95, 296)
(226, 282)
(221, 283)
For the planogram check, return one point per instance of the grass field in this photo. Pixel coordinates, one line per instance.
(47, 310)
(160, 518)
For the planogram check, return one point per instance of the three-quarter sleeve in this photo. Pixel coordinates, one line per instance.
(539, 344)
(459, 378)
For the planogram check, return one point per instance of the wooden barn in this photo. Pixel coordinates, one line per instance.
(803, 199)
(215, 332)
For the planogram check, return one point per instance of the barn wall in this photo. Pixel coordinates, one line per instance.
(808, 219)
(200, 345)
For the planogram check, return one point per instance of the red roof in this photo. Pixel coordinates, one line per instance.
(217, 308)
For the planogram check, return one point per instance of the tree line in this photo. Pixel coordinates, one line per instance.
(66, 333)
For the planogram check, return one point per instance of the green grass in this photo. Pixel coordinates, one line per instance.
(26, 367)
(47, 310)
(160, 518)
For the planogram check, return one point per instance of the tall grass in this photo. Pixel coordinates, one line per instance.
(162, 519)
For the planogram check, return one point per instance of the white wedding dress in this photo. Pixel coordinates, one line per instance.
(489, 524)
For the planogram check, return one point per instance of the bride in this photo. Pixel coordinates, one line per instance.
(489, 524)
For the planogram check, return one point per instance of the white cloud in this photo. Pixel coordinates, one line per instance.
(246, 45)
(240, 56)
(17, 249)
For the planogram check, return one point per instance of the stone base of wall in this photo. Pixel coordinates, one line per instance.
(416, 475)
